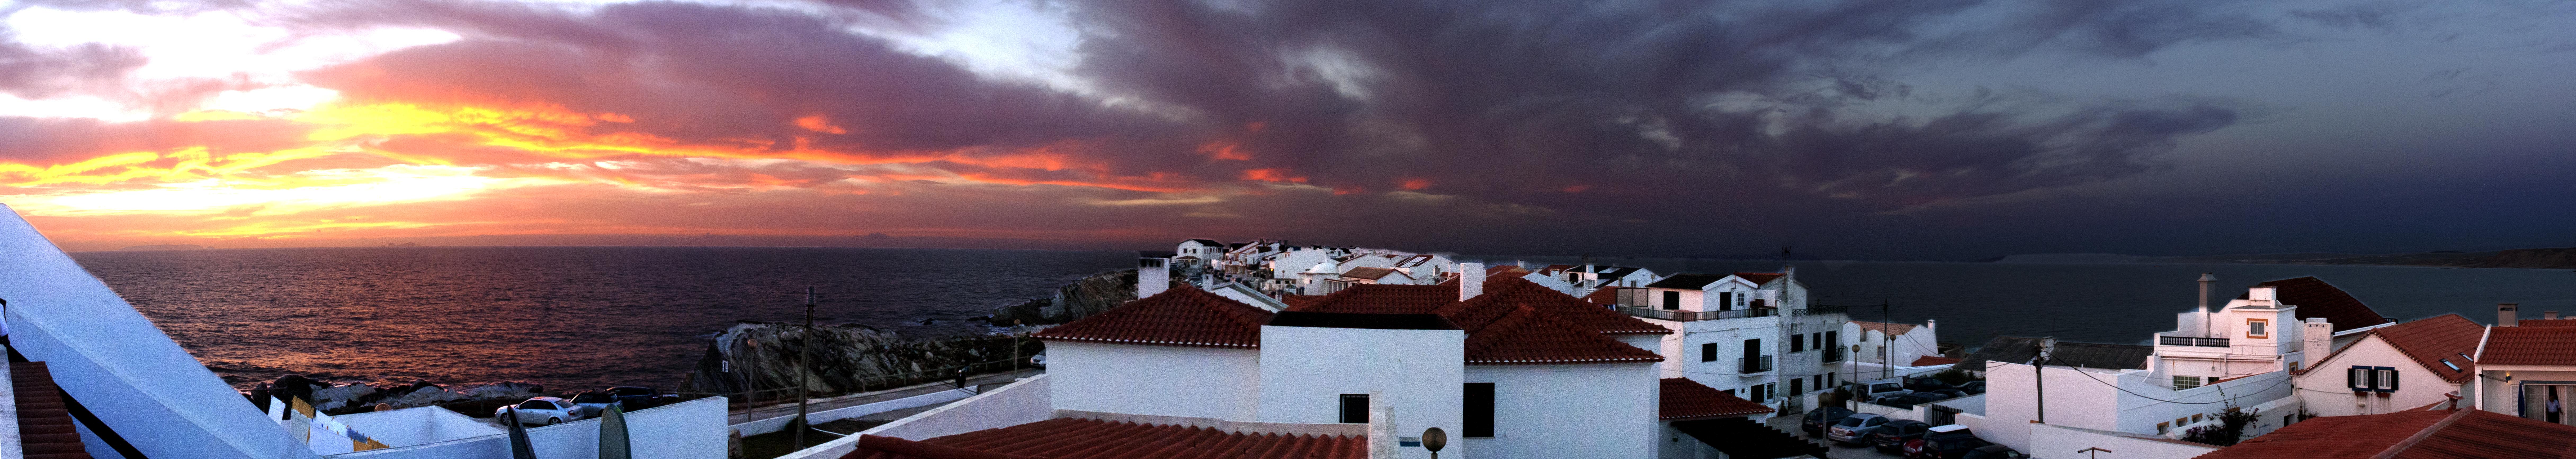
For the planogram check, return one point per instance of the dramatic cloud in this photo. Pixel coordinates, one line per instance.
(1858, 128)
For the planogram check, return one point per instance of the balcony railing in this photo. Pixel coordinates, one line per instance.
(1689, 316)
(2190, 341)
(1834, 354)
(1751, 365)
(1822, 310)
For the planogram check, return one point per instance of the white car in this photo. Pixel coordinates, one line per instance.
(544, 411)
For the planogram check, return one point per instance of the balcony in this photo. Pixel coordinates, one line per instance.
(1677, 315)
(1834, 354)
(1751, 365)
(2162, 340)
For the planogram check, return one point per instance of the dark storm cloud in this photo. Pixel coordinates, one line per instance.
(36, 73)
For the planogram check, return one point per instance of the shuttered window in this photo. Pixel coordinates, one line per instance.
(1479, 415)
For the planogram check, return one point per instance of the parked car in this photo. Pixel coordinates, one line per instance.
(1892, 437)
(593, 402)
(1947, 394)
(1817, 419)
(1973, 387)
(1945, 442)
(545, 411)
(1873, 390)
(1851, 428)
(1993, 452)
(1926, 384)
(1908, 400)
(636, 398)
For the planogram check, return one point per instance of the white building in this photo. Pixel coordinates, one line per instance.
(2526, 368)
(1507, 368)
(1751, 334)
(2394, 368)
(1588, 277)
(1892, 344)
(1196, 251)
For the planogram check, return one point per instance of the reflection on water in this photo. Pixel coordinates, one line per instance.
(565, 317)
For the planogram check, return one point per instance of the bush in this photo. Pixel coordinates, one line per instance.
(2231, 428)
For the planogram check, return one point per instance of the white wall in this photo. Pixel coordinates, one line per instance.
(1025, 401)
(416, 426)
(778, 423)
(1418, 373)
(1569, 411)
(2326, 395)
(2501, 396)
(693, 429)
(1201, 382)
(2087, 399)
(1682, 352)
(119, 365)
(2054, 442)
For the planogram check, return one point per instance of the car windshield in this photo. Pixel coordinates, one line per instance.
(537, 405)
(592, 397)
(1853, 421)
(1885, 387)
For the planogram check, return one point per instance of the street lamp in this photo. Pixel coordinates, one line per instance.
(1433, 439)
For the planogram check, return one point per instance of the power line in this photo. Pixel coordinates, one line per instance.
(2089, 375)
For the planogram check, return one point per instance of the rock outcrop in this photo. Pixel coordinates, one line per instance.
(762, 360)
(1076, 300)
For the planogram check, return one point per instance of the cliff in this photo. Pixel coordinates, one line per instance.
(764, 359)
(1076, 300)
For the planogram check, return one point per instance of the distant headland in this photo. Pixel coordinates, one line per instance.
(165, 247)
(2545, 258)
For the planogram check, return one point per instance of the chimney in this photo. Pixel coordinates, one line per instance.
(2205, 280)
(2549, 315)
(2504, 314)
(2317, 341)
(2261, 294)
(1788, 275)
(1471, 280)
(1153, 275)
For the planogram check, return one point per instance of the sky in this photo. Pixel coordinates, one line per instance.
(1847, 129)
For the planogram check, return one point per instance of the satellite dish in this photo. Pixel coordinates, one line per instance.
(1433, 439)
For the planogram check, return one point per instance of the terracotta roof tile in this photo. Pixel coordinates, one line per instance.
(1758, 278)
(1683, 398)
(1182, 316)
(1606, 295)
(2530, 346)
(2316, 298)
(2545, 323)
(2431, 341)
(1093, 439)
(1885, 328)
(1514, 322)
(1370, 273)
(2447, 434)
(1933, 360)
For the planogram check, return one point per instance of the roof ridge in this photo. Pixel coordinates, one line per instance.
(2409, 442)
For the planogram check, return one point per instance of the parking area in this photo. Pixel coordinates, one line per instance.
(1790, 424)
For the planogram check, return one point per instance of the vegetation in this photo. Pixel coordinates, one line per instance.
(2231, 428)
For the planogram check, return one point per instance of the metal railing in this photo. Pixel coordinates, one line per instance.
(1750, 365)
(1834, 353)
(2162, 340)
(1690, 316)
(1822, 309)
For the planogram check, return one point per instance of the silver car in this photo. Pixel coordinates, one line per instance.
(544, 411)
(1852, 428)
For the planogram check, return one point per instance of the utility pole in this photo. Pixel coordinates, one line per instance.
(805, 361)
(2039, 383)
(1886, 368)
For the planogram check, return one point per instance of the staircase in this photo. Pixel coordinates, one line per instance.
(44, 423)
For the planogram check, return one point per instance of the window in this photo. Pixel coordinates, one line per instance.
(1479, 415)
(1760, 392)
(1725, 299)
(1818, 340)
(1741, 297)
(1672, 299)
(1834, 337)
(1708, 352)
(2258, 328)
(2357, 378)
(2387, 380)
(1796, 386)
(1797, 343)
(1355, 408)
(2161, 427)
(2185, 382)
(2447, 363)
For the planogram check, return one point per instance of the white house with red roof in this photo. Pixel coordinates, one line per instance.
(1507, 368)
(2527, 368)
(2394, 368)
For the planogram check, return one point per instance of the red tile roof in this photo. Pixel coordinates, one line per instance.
(2430, 342)
(2449, 434)
(1182, 316)
(1758, 278)
(2316, 298)
(1370, 273)
(1514, 322)
(1888, 329)
(1933, 360)
(44, 423)
(1684, 398)
(1606, 295)
(2529, 346)
(1094, 439)
(2545, 323)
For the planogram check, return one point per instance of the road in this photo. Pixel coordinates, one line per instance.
(789, 409)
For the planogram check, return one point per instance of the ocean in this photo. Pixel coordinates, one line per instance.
(572, 318)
